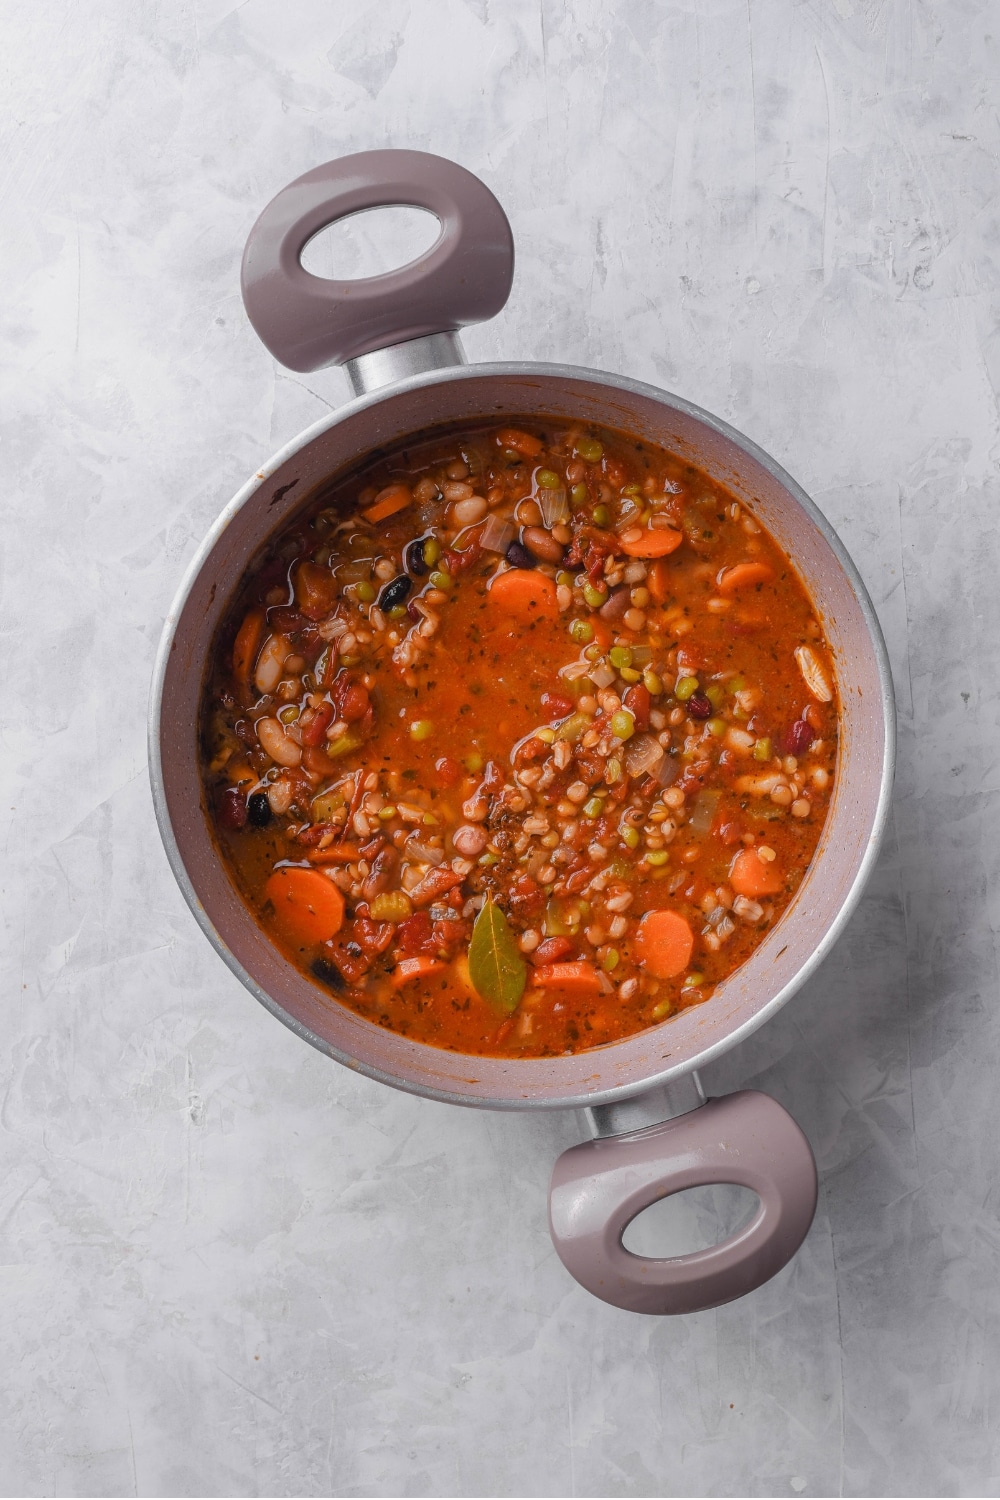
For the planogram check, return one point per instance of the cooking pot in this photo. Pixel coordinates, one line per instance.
(652, 1131)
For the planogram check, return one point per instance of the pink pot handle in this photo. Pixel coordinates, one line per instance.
(308, 321)
(598, 1188)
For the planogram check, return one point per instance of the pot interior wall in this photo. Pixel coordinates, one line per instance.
(826, 894)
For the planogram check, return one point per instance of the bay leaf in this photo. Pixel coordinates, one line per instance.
(496, 967)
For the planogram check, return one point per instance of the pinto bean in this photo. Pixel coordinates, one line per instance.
(380, 876)
(542, 544)
(469, 840)
(616, 604)
(433, 885)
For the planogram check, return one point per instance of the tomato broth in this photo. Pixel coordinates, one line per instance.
(520, 740)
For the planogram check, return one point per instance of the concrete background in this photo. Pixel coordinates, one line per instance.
(228, 1266)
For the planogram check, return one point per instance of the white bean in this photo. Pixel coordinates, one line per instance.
(276, 744)
(466, 512)
(267, 674)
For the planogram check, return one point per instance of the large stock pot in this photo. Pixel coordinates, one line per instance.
(653, 1133)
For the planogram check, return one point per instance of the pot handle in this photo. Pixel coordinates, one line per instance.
(308, 321)
(599, 1187)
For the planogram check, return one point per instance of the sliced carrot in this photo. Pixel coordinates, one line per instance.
(246, 645)
(306, 904)
(751, 876)
(334, 854)
(602, 632)
(658, 582)
(525, 593)
(519, 442)
(316, 590)
(664, 943)
(579, 978)
(743, 576)
(394, 497)
(655, 542)
(415, 968)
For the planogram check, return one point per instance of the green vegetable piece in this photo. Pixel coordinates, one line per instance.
(581, 631)
(366, 593)
(289, 713)
(344, 745)
(716, 727)
(692, 981)
(622, 725)
(594, 596)
(593, 808)
(686, 688)
(737, 684)
(601, 515)
(548, 479)
(630, 836)
(590, 450)
(631, 489)
(488, 859)
(620, 656)
(715, 693)
(496, 967)
(579, 495)
(660, 1009)
(629, 674)
(561, 919)
(441, 580)
(421, 729)
(432, 551)
(611, 959)
(656, 857)
(593, 653)
(620, 869)
(565, 579)
(398, 612)
(474, 762)
(612, 770)
(391, 906)
(573, 727)
(652, 682)
(762, 749)
(324, 807)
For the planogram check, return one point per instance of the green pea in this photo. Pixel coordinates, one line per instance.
(387, 813)
(612, 770)
(441, 580)
(629, 674)
(432, 551)
(632, 489)
(594, 596)
(590, 450)
(620, 656)
(289, 713)
(737, 684)
(652, 682)
(366, 593)
(601, 515)
(593, 653)
(611, 960)
(474, 762)
(660, 1009)
(716, 728)
(622, 725)
(579, 495)
(593, 808)
(715, 694)
(421, 729)
(692, 981)
(398, 612)
(581, 631)
(629, 836)
(762, 749)
(565, 579)
(656, 857)
(548, 479)
(686, 688)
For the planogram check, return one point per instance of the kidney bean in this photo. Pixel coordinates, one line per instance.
(616, 604)
(552, 950)
(542, 544)
(797, 737)
(259, 810)
(530, 750)
(637, 701)
(395, 592)
(518, 556)
(353, 702)
(233, 808)
(699, 706)
(449, 772)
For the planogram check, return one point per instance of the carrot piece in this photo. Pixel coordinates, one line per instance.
(334, 854)
(658, 542)
(525, 593)
(664, 943)
(414, 968)
(519, 442)
(750, 876)
(580, 978)
(602, 632)
(394, 497)
(658, 582)
(246, 645)
(743, 576)
(306, 904)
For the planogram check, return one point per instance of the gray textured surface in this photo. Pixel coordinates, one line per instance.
(231, 1267)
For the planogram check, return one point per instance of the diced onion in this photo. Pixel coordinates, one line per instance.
(813, 674)
(704, 810)
(497, 534)
(602, 676)
(554, 506)
(642, 753)
(668, 771)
